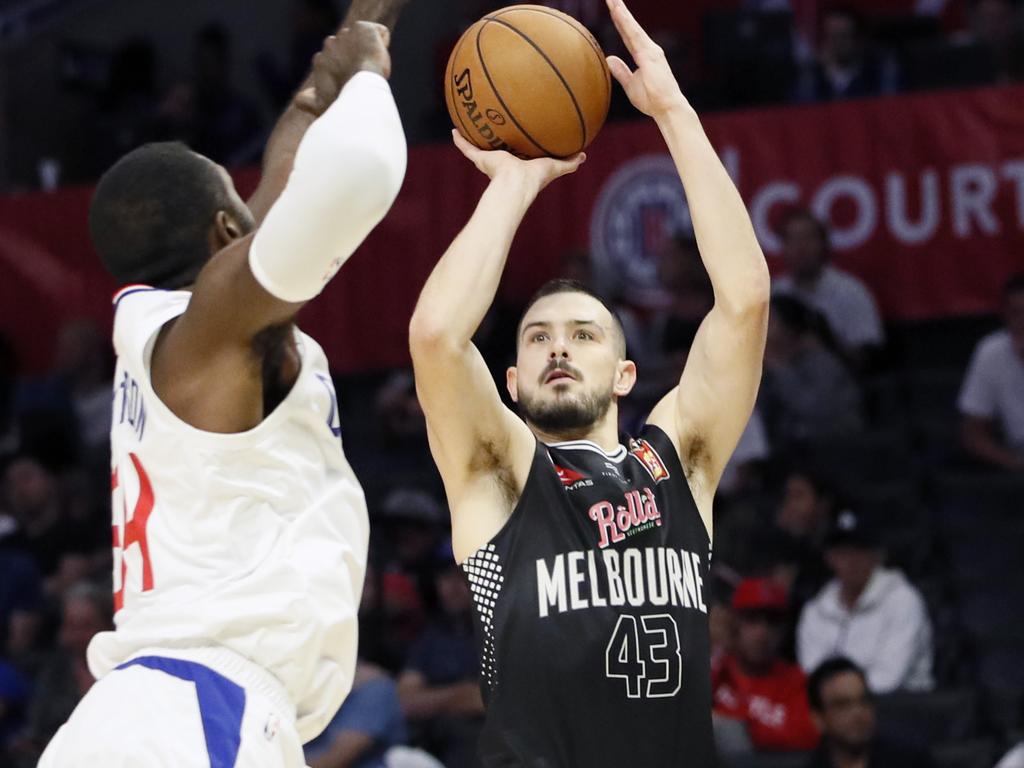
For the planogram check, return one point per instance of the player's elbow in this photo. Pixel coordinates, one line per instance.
(747, 295)
(428, 334)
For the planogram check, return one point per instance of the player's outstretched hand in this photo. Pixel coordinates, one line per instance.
(652, 88)
(363, 47)
(493, 162)
(384, 12)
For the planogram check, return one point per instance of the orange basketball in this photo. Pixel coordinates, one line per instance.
(530, 80)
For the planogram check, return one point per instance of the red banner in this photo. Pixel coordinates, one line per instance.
(925, 195)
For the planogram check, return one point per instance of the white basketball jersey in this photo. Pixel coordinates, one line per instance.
(255, 541)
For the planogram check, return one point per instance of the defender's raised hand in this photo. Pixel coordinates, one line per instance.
(363, 47)
(652, 88)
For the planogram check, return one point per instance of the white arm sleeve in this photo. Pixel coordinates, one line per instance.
(347, 173)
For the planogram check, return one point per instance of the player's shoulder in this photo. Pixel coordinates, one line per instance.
(140, 311)
(136, 301)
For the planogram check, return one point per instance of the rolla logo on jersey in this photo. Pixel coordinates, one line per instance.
(616, 523)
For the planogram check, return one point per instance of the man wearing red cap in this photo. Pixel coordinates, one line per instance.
(753, 684)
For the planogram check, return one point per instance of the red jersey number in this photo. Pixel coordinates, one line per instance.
(127, 532)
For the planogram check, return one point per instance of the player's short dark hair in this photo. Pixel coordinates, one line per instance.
(1014, 285)
(562, 285)
(824, 672)
(805, 214)
(151, 215)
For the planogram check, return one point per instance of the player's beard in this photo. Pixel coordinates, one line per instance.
(566, 416)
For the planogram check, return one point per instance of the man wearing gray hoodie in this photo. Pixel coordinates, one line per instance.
(868, 613)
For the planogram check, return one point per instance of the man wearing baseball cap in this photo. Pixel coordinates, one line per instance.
(869, 613)
(752, 684)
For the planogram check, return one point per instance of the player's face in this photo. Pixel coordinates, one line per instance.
(569, 367)
(847, 717)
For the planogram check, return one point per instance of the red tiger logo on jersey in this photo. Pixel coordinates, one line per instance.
(644, 452)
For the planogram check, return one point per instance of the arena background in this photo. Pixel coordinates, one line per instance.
(916, 167)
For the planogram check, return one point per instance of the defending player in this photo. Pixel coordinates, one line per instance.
(587, 558)
(240, 532)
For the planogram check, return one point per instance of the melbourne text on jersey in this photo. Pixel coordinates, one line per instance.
(651, 576)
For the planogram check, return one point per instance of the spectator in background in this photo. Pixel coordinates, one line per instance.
(869, 613)
(998, 25)
(991, 401)
(391, 617)
(440, 687)
(844, 300)
(1014, 758)
(807, 391)
(403, 430)
(743, 472)
(85, 368)
(20, 602)
(845, 714)
(367, 725)
(800, 525)
(753, 684)
(32, 498)
(8, 377)
(14, 692)
(65, 677)
(210, 114)
(412, 522)
(128, 106)
(844, 67)
(660, 325)
(311, 22)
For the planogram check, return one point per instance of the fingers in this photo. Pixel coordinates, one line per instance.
(571, 165)
(465, 147)
(620, 70)
(633, 35)
(373, 28)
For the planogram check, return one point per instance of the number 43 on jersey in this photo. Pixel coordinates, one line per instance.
(644, 651)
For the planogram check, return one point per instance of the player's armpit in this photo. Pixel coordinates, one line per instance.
(707, 413)
(482, 450)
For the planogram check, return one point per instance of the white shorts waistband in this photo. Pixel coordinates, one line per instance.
(233, 666)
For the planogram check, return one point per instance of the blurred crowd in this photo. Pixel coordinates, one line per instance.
(866, 571)
(728, 54)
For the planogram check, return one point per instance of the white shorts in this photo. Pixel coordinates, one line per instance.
(157, 710)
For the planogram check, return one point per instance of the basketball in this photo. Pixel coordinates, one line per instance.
(530, 80)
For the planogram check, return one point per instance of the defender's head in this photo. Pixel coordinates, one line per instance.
(571, 361)
(161, 212)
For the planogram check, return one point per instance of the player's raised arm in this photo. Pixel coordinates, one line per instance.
(347, 172)
(318, 91)
(471, 432)
(707, 413)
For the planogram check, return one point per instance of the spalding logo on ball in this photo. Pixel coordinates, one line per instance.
(529, 80)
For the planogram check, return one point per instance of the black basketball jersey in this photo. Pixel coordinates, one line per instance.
(592, 614)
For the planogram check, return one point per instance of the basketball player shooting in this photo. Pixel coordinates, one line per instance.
(240, 532)
(588, 558)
